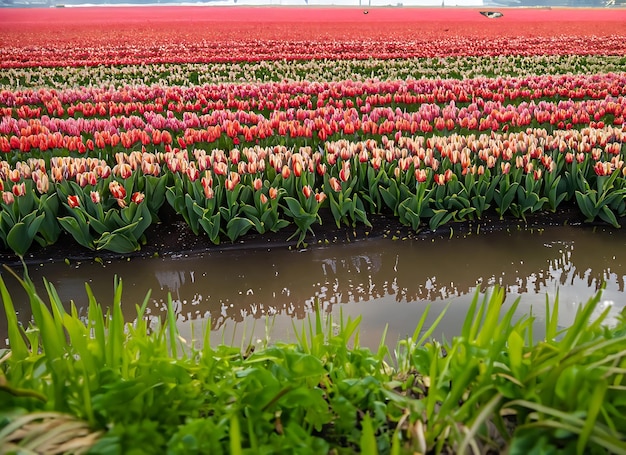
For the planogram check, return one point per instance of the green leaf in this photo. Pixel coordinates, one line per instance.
(237, 227)
(118, 243)
(20, 239)
(80, 231)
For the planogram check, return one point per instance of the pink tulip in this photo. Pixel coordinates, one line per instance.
(7, 197)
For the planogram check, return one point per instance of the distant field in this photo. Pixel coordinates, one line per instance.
(118, 35)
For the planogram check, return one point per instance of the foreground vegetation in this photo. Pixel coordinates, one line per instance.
(104, 385)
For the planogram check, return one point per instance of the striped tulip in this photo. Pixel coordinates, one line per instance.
(117, 190)
(73, 201)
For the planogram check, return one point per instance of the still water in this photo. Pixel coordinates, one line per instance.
(387, 282)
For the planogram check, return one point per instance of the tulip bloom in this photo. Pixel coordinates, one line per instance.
(344, 174)
(421, 175)
(232, 181)
(73, 201)
(320, 197)
(307, 191)
(7, 197)
(41, 181)
(19, 189)
(273, 193)
(335, 185)
(117, 190)
(257, 184)
(95, 197)
(137, 197)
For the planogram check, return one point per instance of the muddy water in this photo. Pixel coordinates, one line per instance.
(259, 293)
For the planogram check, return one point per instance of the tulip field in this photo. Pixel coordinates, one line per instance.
(242, 120)
(95, 144)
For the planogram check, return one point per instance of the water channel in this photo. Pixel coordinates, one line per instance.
(387, 282)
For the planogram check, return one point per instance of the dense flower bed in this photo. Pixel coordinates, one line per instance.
(99, 162)
(258, 145)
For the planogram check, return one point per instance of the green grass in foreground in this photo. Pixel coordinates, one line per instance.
(103, 385)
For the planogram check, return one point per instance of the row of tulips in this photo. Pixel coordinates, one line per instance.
(424, 181)
(466, 67)
(374, 117)
(90, 102)
(412, 44)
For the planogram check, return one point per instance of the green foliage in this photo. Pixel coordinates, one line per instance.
(138, 390)
(600, 201)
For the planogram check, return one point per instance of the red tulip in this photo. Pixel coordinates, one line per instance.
(95, 197)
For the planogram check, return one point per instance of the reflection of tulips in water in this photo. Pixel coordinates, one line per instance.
(384, 271)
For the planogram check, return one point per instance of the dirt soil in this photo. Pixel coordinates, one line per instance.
(173, 237)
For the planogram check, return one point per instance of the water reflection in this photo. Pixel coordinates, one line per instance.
(387, 282)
